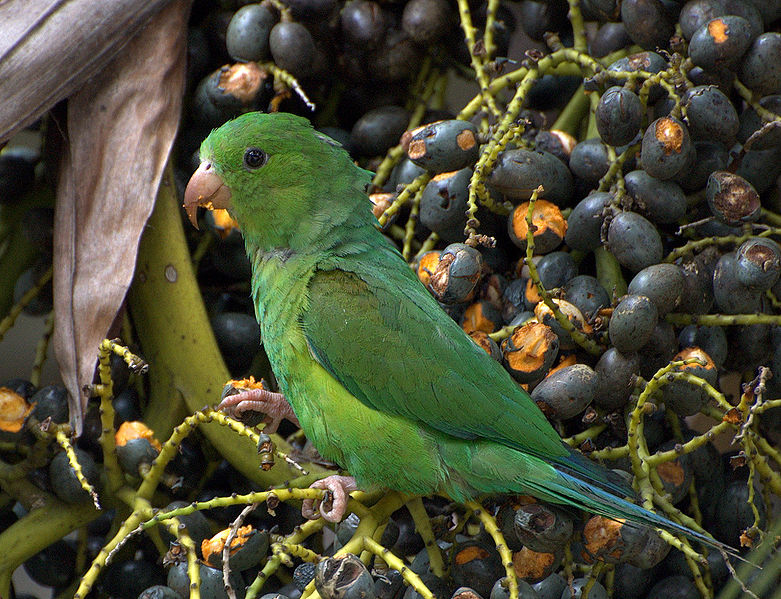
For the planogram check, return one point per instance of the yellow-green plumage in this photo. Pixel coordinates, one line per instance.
(381, 379)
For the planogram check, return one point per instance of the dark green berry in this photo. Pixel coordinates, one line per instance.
(426, 21)
(674, 587)
(444, 202)
(363, 23)
(292, 47)
(566, 392)
(51, 402)
(634, 241)
(618, 115)
(665, 148)
(238, 337)
(751, 123)
(710, 115)
(586, 293)
(732, 199)
(248, 33)
(575, 591)
(589, 160)
(378, 130)
(519, 172)
(720, 43)
(211, 582)
(442, 146)
(196, 524)
(685, 398)
(550, 587)
(63, 478)
(660, 201)
(758, 263)
(584, 224)
(54, 566)
(616, 374)
(661, 283)
(650, 62)
(760, 69)
(475, 564)
(647, 23)
(712, 340)
(632, 323)
(158, 591)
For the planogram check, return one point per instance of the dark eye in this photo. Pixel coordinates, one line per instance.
(254, 158)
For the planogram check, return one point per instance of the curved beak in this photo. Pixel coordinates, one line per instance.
(206, 188)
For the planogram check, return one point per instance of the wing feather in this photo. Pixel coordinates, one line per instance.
(413, 360)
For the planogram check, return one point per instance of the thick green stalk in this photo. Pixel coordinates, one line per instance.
(36, 531)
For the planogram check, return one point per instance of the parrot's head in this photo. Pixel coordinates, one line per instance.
(277, 177)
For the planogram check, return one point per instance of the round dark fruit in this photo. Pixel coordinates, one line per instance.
(584, 224)
(632, 323)
(619, 115)
(442, 146)
(647, 23)
(661, 201)
(456, 275)
(661, 283)
(720, 43)
(248, 33)
(378, 130)
(710, 115)
(566, 392)
(63, 478)
(732, 199)
(444, 202)
(426, 21)
(760, 69)
(616, 374)
(292, 47)
(665, 148)
(634, 241)
(758, 263)
(363, 23)
(519, 172)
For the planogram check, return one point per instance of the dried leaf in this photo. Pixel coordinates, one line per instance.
(50, 48)
(120, 129)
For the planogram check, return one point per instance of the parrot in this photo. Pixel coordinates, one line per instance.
(381, 380)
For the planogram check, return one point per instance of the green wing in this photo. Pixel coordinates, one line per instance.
(377, 330)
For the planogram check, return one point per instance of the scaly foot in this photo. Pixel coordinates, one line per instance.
(252, 397)
(334, 504)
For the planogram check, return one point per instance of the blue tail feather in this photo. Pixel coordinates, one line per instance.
(604, 503)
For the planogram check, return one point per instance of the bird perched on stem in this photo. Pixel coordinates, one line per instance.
(381, 380)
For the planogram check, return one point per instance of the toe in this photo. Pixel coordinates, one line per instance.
(308, 510)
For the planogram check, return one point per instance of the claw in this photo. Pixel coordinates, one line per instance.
(334, 504)
(273, 406)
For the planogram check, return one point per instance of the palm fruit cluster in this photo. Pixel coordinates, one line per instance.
(602, 217)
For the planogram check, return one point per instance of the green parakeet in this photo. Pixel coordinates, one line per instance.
(381, 380)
